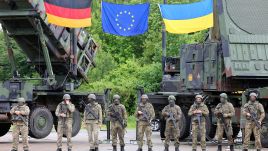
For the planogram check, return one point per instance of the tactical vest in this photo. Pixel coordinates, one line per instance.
(64, 109)
(146, 112)
(19, 118)
(92, 112)
(253, 108)
(198, 107)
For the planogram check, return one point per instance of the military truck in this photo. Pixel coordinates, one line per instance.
(61, 56)
(233, 58)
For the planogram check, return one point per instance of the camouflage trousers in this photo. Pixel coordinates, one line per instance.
(251, 127)
(172, 132)
(220, 131)
(17, 129)
(93, 134)
(117, 129)
(202, 132)
(144, 127)
(65, 127)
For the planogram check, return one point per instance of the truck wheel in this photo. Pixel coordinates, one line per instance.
(264, 130)
(40, 123)
(76, 124)
(184, 125)
(4, 128)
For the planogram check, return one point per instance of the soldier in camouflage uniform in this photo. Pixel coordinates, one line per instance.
(20, 115)
(118, 116)
(145, 114)
(172, 114)
(253, 106)
(199, 109)
(226, 110)
(64, 112)
(93, 121)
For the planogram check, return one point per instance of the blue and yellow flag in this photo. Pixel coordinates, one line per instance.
(187, 18)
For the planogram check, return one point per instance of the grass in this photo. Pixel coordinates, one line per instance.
(131, 124)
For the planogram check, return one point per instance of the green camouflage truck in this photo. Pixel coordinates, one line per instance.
(233, 59)
(61, 56)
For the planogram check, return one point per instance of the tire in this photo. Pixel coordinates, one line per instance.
(76, 124)
(264, 135)
(4, 128)
(185, 125)
(155, 124)
(40, 123)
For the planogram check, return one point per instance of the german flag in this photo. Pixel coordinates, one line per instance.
(69, 13)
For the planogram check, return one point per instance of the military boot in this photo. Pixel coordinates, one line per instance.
(69, 149)
(139, 149)
(245, 149)
(166, 148)
(204, 149)
(258, 149)
(194, 150)
(150, 149)
(13, 150)
(26, 150)
(122, 148)
(59, 149)
(177, 149)
(114, 148)
(231, 147)
(96, 149)
(219, 148)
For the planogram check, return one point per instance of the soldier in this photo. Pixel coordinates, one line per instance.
(251, 108)
(224, 111)
(172, 114)
(145, 114)
(93, 121)
(20, 115)
(64, 112)
(199, 111)
(118, 117)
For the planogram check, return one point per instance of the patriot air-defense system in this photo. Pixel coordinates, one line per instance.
(61, 56)
(233, 59)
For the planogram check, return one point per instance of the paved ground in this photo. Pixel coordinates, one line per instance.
(80, 143)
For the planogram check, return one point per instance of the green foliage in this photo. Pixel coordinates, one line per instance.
(126, 78)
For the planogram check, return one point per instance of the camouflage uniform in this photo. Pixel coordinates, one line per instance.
(93, 124)
(227, 111)
(20, 127)
(144, 125)
(170, 129)
(65, 123)
(195, 127)
(250, 125)
(116, 127)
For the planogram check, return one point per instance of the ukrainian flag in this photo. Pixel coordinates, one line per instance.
(187, 18)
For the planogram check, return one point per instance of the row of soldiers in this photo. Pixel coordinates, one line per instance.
(145, 114)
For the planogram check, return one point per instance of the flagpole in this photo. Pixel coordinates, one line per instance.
(164, 44)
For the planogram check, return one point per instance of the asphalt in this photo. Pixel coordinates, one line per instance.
(80, 143)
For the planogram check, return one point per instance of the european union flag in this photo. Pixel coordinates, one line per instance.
(125, 20)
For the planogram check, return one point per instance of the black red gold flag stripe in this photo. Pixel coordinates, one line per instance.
(69, 13)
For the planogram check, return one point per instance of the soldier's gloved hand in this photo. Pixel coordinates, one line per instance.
(17, 112)
(165, 114)
(259, 122)
(225, 115)
(63, 115)
(248, 114)
(140, 112)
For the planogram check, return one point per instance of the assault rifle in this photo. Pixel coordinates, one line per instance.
(89, 110)
(171, 118)
(16, 118)
(253, 117)
(117, 117)
(226, 130)
(63, 110)
(145, 115)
